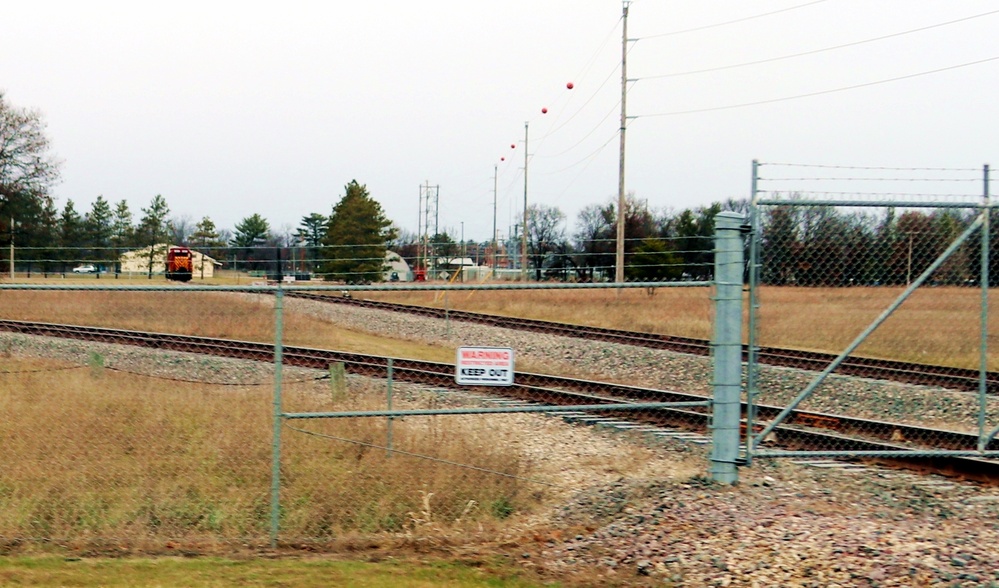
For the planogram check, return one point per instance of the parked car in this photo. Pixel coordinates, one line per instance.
(85, 269)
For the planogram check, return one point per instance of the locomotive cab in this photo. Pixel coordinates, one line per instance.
(180, 264)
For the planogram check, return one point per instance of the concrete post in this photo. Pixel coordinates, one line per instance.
(727, 347)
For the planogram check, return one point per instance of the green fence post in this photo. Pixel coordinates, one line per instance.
(388, 424)
(726, 407)
(276, 444)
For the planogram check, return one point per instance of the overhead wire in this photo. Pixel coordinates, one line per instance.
(587, 135)
(816, 51)
(729, 22)
(556, 126)
(552, 129)
(820, 92)
(591, 159)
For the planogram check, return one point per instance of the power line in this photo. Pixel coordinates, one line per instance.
(814, 51)
(738, 20)
(586, 136)
(819, 93)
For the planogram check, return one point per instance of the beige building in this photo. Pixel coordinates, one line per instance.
(136, 262)
(397, 267)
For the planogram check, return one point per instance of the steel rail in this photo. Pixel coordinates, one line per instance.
(962, 379)
(801, 429)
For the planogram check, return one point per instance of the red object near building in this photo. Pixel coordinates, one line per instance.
(420, 275)
(180, 264)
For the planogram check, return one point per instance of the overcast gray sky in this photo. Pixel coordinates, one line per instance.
(234, 108)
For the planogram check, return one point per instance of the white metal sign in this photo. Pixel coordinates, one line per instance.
(484, 366)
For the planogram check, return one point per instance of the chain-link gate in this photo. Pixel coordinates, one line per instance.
(869, 327)
(211, 414)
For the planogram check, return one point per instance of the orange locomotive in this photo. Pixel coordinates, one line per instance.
(180, 264)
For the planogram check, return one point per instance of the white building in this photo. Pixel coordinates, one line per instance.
(398, 269)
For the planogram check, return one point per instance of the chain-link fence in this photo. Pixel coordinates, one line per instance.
(155, 414)
(672, 252)
(212, 412)
(869, 328)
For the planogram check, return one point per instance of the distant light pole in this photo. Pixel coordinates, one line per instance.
(462, 251)
(523, 236)
(495, 168)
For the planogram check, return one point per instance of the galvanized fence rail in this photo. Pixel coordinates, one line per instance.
(899, 279)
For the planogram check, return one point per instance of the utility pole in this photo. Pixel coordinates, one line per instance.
(619, 257)
(495, 168)
(523, 236)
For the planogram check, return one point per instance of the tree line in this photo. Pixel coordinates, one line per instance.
(800, 244)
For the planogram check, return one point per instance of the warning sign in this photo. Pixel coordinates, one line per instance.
(484, 366)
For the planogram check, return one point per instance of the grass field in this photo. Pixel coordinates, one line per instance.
(936, 325)
(98, 462)
(294, 571)
(98, 453)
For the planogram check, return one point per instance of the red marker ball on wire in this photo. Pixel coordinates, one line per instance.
(569, 85)
(544, 111)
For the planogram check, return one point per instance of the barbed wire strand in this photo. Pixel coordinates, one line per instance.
(869, 179)
(907, 194)
(877, 168)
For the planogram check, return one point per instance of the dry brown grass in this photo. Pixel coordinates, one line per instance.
(94, 457)
(935, 325)
(218, 314)
(99, 454)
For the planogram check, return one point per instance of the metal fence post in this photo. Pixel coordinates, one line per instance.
(727, 346)
(752, 363)
(388, 423)
(983, 333)
(276, 443)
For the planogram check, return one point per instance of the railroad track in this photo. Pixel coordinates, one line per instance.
(801, 430)
(879, 369)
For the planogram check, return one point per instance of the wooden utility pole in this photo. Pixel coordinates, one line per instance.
(619, 258)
